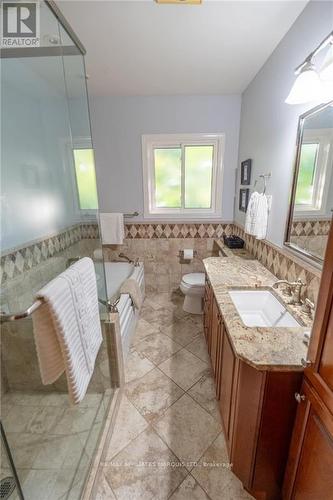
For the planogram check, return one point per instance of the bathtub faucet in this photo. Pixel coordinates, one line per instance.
(123, 256)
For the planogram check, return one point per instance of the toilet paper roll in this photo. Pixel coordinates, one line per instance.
(188, 253)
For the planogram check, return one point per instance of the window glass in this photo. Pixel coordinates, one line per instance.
(198, 176)
(306, 176)
(86, 178)
(168, 173)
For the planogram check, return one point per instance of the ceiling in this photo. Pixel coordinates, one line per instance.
(142, 48)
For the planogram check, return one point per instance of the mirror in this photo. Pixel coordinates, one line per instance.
(311, 205)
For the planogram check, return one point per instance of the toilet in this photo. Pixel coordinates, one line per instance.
(193, 287)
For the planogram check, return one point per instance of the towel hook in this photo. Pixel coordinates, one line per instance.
(265, 177)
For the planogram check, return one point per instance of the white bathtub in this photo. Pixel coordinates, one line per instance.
(115, 274)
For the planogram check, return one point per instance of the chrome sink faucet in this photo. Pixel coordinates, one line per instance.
(294, 287)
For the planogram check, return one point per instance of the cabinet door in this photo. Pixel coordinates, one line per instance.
(309, 474)
(228, 363)
(215, 333)
(207, 312)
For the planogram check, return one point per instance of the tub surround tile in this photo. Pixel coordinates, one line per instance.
(157, 347)
(129, 424)
(184, 368)
(187, 429)
(153, 394)
(265, 348)
(189, 490)
(146, 468)
(214, 475)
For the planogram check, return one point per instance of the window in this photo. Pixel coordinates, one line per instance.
(86, 178)
(182, 174)
(313, 175)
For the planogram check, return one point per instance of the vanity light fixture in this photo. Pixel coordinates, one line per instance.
(312, 84)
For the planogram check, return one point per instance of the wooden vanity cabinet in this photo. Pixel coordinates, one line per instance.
(257, 409)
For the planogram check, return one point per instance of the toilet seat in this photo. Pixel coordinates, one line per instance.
(194, 279)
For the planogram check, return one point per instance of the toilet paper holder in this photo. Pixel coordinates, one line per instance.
(181, 254)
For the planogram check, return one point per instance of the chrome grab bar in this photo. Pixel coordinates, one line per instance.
(4, 318)
(134, 214)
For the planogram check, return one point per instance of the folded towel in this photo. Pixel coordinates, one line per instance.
(132, 287)
(262, 217)
(112, 228)
(257, 216)
(67, 328)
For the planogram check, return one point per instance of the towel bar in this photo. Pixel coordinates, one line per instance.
(4, 318)
(134, 214)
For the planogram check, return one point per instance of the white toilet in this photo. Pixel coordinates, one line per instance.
(193, 287)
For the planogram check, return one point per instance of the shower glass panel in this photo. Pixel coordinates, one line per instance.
(45, 118)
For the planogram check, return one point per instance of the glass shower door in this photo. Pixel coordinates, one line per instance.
(45, 226)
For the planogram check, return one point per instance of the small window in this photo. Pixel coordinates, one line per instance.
(182, 175)
(306, 177)
(86, 178)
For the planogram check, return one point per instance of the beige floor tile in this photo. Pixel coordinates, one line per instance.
(160, 317)
(203, 392)
(214, 475)
(157, 348)
(104, 491)
(182, 331)
(187, 429)
(137, 365)
(52, 452)
(184, 368)
(153, 394)
(189, 490)
(199, 347)
(19, 419)
(143, 330)
(145, 469)
(129, 424)
(24, 448)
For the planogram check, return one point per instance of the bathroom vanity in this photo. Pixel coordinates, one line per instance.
(257, 373)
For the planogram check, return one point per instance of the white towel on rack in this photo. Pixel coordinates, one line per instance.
(112, 228)
(257, 216)
(67, 328)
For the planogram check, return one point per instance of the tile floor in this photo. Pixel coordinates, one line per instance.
(167, 441)
(52, 443)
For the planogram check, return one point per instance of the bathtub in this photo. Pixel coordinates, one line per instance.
(115, 274)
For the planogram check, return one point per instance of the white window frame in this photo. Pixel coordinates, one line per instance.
(322, 137)
(153, 141)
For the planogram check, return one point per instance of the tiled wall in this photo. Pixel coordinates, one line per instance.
(308, 227)
(282, 265)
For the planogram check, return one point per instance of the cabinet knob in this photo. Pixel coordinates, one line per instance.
(299, 397)
(306, 363)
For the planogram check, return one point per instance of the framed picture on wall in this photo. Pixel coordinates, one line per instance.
(246, 172)
(243, 199)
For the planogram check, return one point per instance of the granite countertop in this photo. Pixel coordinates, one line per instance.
(264, 348)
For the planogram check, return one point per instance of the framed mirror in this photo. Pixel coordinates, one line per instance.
(311, 201)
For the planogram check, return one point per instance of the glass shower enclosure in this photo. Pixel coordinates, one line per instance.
(48, 219)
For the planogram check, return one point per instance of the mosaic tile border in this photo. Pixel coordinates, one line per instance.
(308, 227)
(177, 230)
(278, 263)
(23, 259)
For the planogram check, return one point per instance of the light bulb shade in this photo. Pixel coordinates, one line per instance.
(326, 70)
(307, 88)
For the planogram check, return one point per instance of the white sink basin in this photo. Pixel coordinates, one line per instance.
(261, 308)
